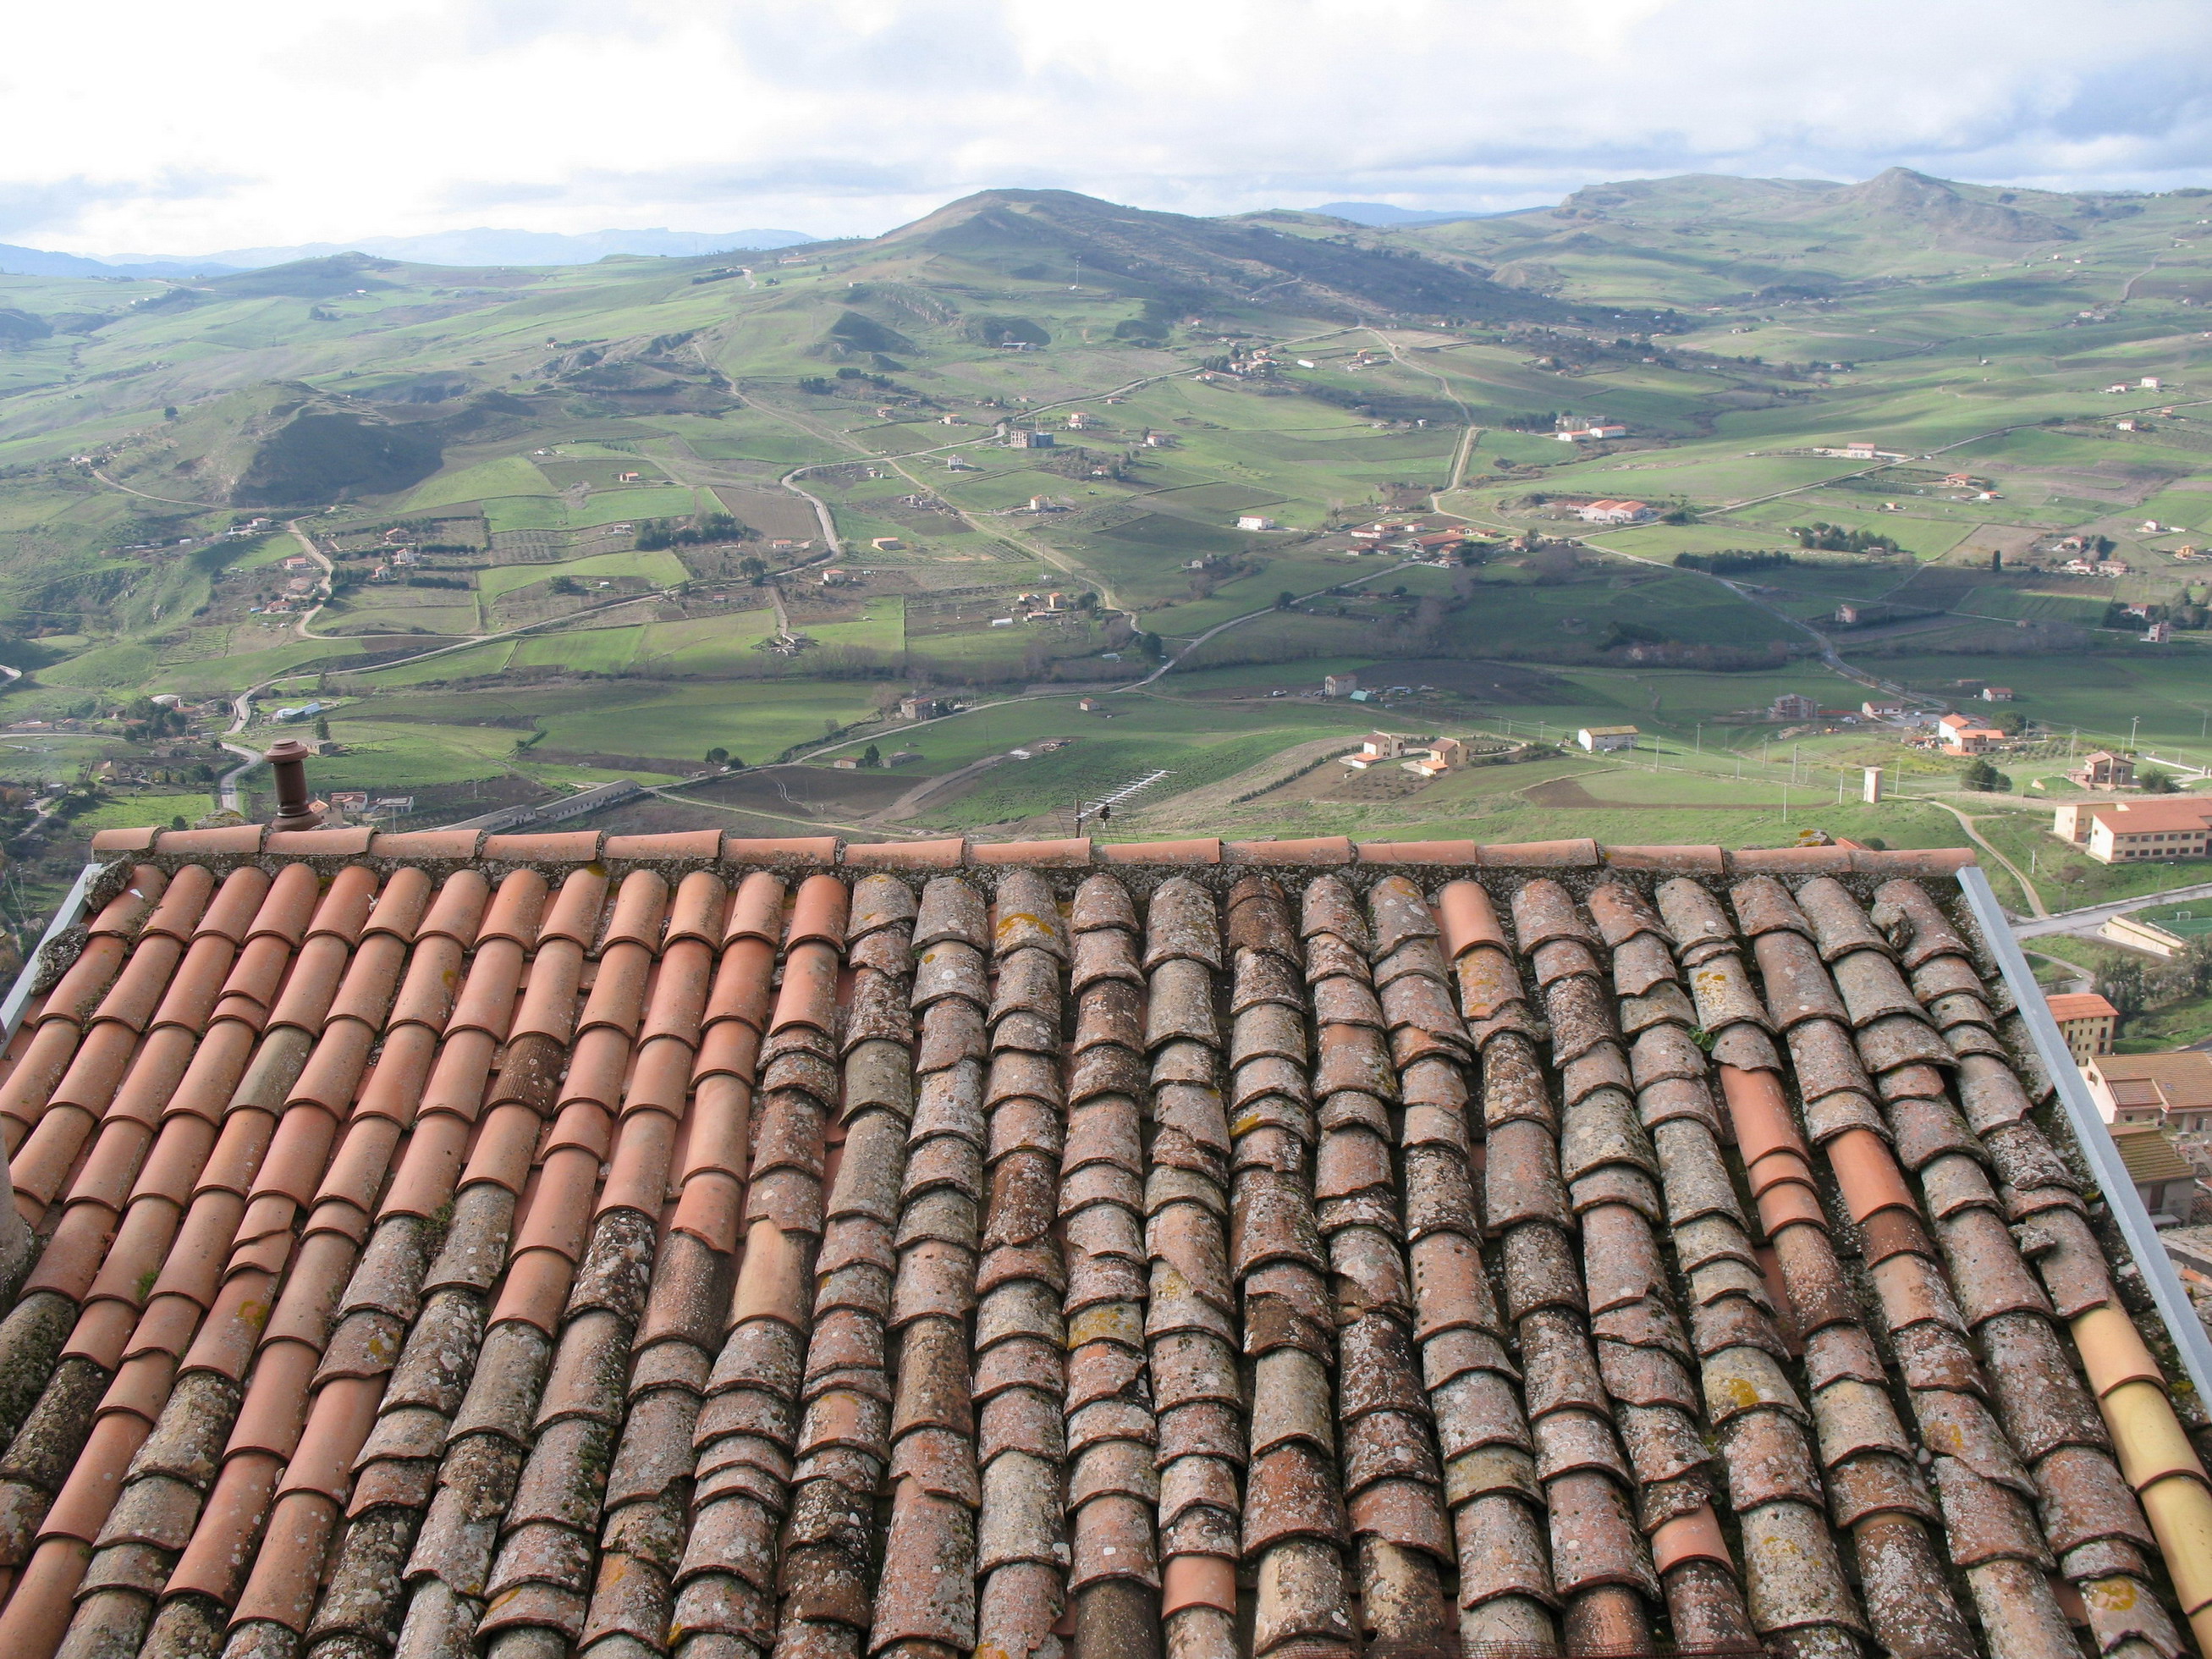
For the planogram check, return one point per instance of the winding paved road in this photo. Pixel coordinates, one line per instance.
(2093, 915)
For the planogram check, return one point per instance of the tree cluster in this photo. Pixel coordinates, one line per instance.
(1835, 539)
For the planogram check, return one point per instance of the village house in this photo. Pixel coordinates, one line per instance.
(2087, 1021)
(2127, 831)
(920, 708)
(1381, 746)
(1996, 694)
(2174, 1090)
(1962, 734)
(2103, 769)
(2164, 1180)
(1794, 705)
(1602, 739)
(1884, 708)
(1338, 685)
(1441, 756)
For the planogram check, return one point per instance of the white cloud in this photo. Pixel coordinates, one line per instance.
(154, 126)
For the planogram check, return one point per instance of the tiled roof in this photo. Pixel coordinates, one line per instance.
(2182, 1082)
(548, 1243)
(2081, 1005)
(2149, 1152)
(2136, 818)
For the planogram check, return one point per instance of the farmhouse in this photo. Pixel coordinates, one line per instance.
(1599, 739)
(1381, 746)
(2103, 769)
(1589, 432)
(1610, 512)
(1440, 756)
(1794, 705)
(1962, 734)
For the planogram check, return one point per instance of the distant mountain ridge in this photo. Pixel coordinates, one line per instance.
(480, 247)
(1178, 262)
(1379, 214)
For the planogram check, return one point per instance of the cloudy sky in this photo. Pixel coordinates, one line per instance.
(155, 126)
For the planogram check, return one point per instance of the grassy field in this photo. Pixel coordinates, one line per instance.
(1985, 371)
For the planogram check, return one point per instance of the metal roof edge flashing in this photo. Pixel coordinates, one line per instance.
(2182, 1328)
(70, 912)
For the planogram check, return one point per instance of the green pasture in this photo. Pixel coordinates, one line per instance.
(662, 568)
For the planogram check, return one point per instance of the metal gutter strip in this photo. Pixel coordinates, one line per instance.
(70, 912)
(2182, 1325)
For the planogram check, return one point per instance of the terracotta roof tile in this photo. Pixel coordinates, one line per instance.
(1161, 852)
(943, 855)
(1541, 854)
(1459, 853)
(1072, 853)
(788, 851)
(430, 845)
(1085, 1372)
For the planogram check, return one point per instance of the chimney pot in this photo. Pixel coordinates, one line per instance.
(295, 809)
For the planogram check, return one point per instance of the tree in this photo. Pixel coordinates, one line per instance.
(2152, 780)
(1979, 775)
(565, 585)
(1996, 558)
(1149, 646)
(717, 755)
(1285, 600)
(871, 755)
(322, 729)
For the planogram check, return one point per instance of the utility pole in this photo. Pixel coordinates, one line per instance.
(1700, 739)
(2134, 721)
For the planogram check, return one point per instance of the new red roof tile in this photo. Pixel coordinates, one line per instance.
(570, 847)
